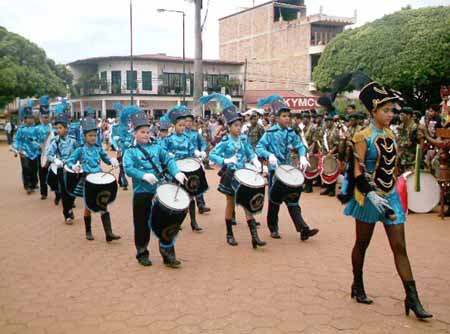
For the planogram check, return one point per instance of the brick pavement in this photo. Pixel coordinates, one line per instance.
(54, 281)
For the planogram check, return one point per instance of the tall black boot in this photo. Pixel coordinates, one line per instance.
(106, 221)
(256, 241)
(230, 236)
(194, 225)
(412, 301)
(358, 291)
(88, 228)
(169, 257)
(308, 186)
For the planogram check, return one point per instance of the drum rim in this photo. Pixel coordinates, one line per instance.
(165, 204)
(335, 160)
(199, 166)
(90, 175)
(311, 171)
(288, 184)
(250, 185)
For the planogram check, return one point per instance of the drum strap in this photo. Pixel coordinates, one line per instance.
(149, 159)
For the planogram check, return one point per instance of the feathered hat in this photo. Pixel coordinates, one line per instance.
(177, 112)
(118, 107)
(26, 110)
(229, 110)
(127, 112)
(44, 105)
(88, 124)
(276, 102)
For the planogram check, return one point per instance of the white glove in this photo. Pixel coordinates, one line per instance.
(197, 153)
(257, 164)
(231, 160)
(77, 167)
(203, 155)
(273, 160)
(304, 163)
(378, 202)
(114, 162)
(171, 155)
(58, 163)
(116, 137)
(150, 178)
(180, 177)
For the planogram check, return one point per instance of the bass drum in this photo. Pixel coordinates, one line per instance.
(100, 189)
(331, 169)
(427, 198)
(313, 169)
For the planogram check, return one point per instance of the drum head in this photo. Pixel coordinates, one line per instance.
(427, 198)
(290, 176)
(251, 167)
(100, 178)
(249, 178)
(188, 165)
(330, 165)
(166, 195)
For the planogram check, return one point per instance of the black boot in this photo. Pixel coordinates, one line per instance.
(326, 191)
(412, 301)
(194, 225)
(254, 233)
(230, 237)
(169, 257)
(143, 258)
(308, 187)
(106, 221)
(308, 232)
(57, 198)
(358, 291)
(87, 226)
(332, 190)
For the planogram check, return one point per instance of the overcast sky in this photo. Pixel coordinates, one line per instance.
(71, 30)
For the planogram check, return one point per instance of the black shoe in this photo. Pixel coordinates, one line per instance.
(412, 301)
(43, 197)
(29, 191)
(87, 227)
(195, 227)
(169, 257)
(106, 221)
(57, 200)
(359, 293)
(230, 236)
(275, 235)
(308, 233)
(203, 209)
(256, 241)
(234, 222)
(144, 261)
(125, 189)
(325, 192)
(71, 215)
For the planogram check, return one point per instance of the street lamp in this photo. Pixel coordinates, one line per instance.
(162, 10)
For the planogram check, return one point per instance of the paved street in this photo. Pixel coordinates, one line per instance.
(54, 281)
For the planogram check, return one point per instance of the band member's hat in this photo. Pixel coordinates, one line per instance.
(88, 124)
(44, 105)
(374, 95)
(139, 119)
(407, 110)
(231, 114)
(90, 112)
(62, 118)
(276, 102)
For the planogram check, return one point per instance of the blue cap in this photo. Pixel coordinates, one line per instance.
(127, 113)
(277, 103)
(88, 124)
(139, 119)
(62, 118)
(176, 113)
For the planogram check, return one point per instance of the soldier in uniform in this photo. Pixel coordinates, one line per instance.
(255, 130)
(307, 136)
(330, 147)
(407, 141)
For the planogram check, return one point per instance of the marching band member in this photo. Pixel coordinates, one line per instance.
(28, 148)
(275, 146)
(307, 135)
(200, 146)
(375, 196)
(144, 163)
(43, 131)
(231, 153)
(59, 151)
(330, 146)
(164, 126)
(90, 154)
(179, 145)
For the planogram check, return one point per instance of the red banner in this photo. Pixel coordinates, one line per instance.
(302, 103)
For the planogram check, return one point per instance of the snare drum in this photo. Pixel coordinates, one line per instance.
(249, 189)
(170, 207)
(427, 198)
(287, 185)
(313, 169)
(196, 183)
(74, 182)
(330, 170)
(100, 189)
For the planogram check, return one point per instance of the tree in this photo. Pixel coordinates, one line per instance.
(26, 71)
(407, 51)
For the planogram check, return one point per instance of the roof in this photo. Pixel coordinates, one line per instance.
(246, 10)
(155, 57)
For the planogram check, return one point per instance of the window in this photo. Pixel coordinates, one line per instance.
(116, 81)
(131, 81)
(103, 81)
(214, 81)
(146, 80)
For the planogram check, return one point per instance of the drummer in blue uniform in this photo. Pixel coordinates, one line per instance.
(231, 153)
(275, 146)
(164, 126)
(200, 146)
(43, 131)
(59, 151)
(27, 146)
(145, 162)
(91, 154)
(179, 145)
(91, 113)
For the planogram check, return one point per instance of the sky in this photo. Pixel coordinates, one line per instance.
(72, 30)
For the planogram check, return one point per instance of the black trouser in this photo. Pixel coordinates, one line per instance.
(123, 182)
(29, 172)
(200, 199)
(142, 206)
(294, 211)
(43, 171)
(67, 199)
(10, 138)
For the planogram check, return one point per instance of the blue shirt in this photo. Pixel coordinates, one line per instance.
(61, 148)
(136, 166)
(90, 158)
(230, 146)
(27, 141)
(42, 132)
(179, 145)
(196, 139)
(279, 141)
(74, 132)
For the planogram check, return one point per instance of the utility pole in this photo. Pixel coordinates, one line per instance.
(198, 62)
(245, 84)
(131, 53)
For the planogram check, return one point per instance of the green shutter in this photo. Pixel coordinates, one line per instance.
(131, 81)
(146, 80)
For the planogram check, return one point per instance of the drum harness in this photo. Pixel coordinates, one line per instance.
(161, 173)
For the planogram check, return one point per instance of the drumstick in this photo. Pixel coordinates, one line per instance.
(176, 193)
(108, 172)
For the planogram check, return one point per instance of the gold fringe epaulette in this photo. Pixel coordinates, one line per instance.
(362, 135)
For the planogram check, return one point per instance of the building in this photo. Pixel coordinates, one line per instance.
(157, 82)
(280, 43)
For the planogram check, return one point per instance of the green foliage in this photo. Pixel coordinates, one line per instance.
(408, 51)
(25, 70)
